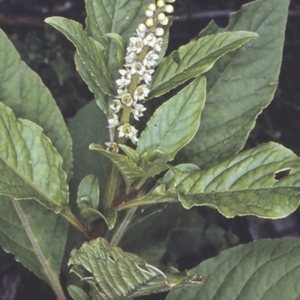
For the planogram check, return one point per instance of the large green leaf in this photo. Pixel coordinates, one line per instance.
(262, 270)
(241, 83)
(31, 167)
(23, 91)
(36, 237)
(194, 59)
(91, 52)
(115, 274)
(263, 181)
(174, 123)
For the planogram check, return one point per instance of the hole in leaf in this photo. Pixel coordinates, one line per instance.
(282, 173)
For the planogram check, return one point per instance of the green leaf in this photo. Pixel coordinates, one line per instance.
(101, 99)
(114, 274)
(31, 167)
(167, 135)
(121, 48)
(23, 91)
(77, 293)
(36, 237)
(129, 170)
(88, 192)
(114, 16)
(88, 126)
(262, 270)
(194, 59)
(241, 84)
(88, 200)
(263, 181)
(90, 51)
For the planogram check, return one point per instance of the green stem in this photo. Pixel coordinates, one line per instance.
(122, 228)
(67, 214)
(136, 203)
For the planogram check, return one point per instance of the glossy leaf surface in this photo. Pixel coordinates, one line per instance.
(22, 90)
(31, 167)
(194, 59)
(241, 83)
(174, 123)
(247, 184)
(90, 51)
(262, 270)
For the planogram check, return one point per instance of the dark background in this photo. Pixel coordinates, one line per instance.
(51, 56)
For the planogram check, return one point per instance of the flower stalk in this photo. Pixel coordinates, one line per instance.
(142, 54)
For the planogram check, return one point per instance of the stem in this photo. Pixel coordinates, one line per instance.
(122, 228)
(136, 203)
(67, 214)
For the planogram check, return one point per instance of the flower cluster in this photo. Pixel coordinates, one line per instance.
(141, 58)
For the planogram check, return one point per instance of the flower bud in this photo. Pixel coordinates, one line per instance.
(142, 27)
(170, 1)
(159, 31)
(169, 9)
(160, 3)
(151, 7)
(149, 22)
(149, 13)
(161, 17)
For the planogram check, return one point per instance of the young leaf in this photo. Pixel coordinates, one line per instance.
(91, 52)
(114, 274)
(114, 16)
(88, 192)
(129, 170)
(77, 293)
(174, 123)
(36, 237)
(120, 44)
(194, 59)
(241, 84)
(101, 98)
(265, 269)
(23, 91)
(247, 184)
(31, 167)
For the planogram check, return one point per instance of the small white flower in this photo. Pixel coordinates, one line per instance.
(112, 147)
(147, 76)
(125, 79)
(128, 131)
(114, 121)
(150, 40)
(130, 58)
(135, 45)
(150, 59)
(137, 111)
(116, 105)
(138, 68)
(141, 92)
(127, 100)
